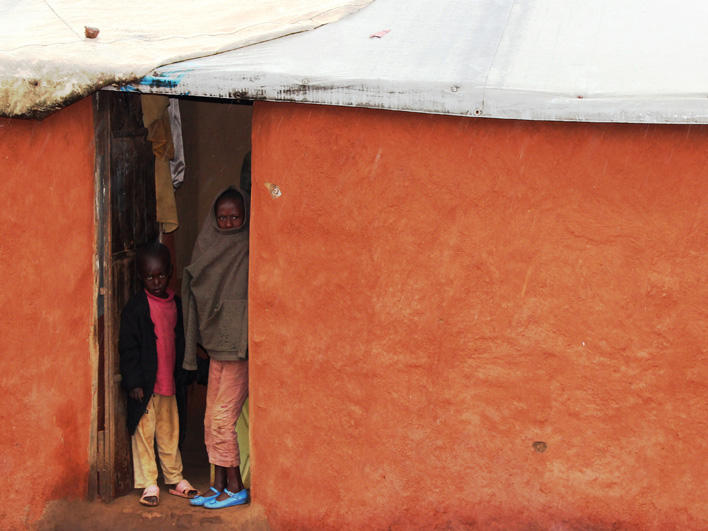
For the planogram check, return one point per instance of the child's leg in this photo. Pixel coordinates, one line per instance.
(224, 452)
(225, 400)
(167, 435)
(143, 445)
(215, 370)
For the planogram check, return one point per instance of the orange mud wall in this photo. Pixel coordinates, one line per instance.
(433, 295)
(46, 293)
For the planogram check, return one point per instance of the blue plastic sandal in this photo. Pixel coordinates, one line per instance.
(201, 500)
(238, 498)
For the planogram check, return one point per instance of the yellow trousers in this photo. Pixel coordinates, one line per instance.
(160, 422)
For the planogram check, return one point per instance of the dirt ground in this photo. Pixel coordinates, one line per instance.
(125, 514)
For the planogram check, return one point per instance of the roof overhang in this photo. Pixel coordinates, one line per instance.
(47, 61)
(571, 60)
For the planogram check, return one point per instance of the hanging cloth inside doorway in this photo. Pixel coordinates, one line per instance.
(177, 161)
(157, 121)
(244, 445)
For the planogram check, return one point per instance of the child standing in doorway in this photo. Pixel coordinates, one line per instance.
(151, 346)
(215, 290)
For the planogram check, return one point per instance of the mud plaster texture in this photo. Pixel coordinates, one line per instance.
(46, 292)
(430, 296)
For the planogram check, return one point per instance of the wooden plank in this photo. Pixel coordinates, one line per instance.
(126, 116)
(96, 454)
(123, 284)
(102, 165)
(132, 177)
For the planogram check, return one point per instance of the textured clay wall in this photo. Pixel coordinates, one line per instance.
(433, 295)
(46, 296)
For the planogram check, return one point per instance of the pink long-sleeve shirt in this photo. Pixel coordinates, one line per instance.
(163, 313)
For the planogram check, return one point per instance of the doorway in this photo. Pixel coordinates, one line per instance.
(217, 144)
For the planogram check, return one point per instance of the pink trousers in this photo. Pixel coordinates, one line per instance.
(226, 392)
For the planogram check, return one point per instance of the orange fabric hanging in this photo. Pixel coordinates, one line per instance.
(157, 122)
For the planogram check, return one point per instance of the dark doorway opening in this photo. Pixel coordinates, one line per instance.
(217, 144)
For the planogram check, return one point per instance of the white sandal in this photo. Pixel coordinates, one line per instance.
(150, 492)
(183, 489)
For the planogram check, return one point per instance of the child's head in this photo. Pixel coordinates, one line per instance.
(228, 210)
(155, 268)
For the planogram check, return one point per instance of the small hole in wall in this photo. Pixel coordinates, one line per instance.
(540, 446)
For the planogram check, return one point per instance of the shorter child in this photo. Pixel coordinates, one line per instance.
(151, 346)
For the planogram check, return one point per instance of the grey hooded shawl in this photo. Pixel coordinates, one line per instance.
(215, 291)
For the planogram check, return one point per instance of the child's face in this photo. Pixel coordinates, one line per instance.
(229, 214)
(155, 274)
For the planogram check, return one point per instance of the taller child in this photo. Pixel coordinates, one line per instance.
(215, 293)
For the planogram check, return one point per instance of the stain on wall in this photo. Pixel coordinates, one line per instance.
(46, 292)
(460, 322)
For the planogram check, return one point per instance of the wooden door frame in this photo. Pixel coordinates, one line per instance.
(103, 468)
(96, 346)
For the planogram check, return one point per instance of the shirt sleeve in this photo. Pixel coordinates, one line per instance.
(129, 350)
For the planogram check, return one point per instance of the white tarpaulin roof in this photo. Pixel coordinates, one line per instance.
(602, 60)
(47, 62)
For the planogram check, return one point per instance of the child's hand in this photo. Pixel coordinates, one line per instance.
(201, 352)
(136, 394)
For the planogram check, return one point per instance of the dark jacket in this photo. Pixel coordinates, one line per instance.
(138, 357)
